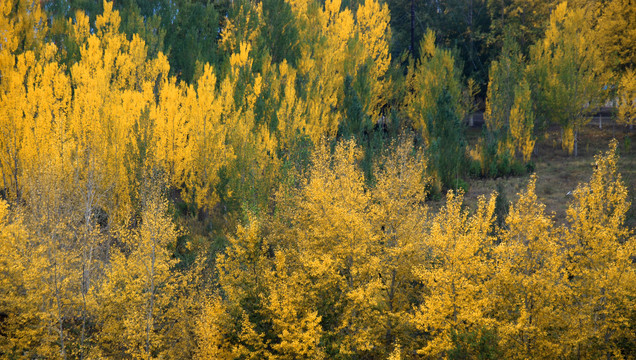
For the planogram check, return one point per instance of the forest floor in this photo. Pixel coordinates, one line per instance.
(558, 173)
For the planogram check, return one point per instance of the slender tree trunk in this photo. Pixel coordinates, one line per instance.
(4, 181)
(87, 256)
(58, 300)
(389, 324)
(15, 178)
(576, 143)
(413, 27)
(152, 296)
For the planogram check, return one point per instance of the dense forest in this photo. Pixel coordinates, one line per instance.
(286, 179)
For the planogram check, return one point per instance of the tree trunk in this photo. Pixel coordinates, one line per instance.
(576, 143)
(413, 27)
(149, 315)
(58, 300)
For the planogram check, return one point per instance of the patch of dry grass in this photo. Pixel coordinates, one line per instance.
(558, 173)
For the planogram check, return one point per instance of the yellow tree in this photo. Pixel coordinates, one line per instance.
(28, 326)
(206, 150)
(173, 127)
(615, 33)
(567, 68)
(212, 327)
(13, 125)
(434, 74)
(235, 326)
(39, 147)
(114, 91)
(53, 216)
(505, 78)
(454, 274)
(140, 285)
(522, 121)
(322, 64)
(627, 98)
(598, 258)
(372, 26)
(341, 248)
(290, 116)
(23, 26)
(295, 321)
(526, 282)
(399, 215)
(433, 104)
(255, 168)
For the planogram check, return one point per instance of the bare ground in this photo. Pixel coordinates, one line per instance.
(558, 173)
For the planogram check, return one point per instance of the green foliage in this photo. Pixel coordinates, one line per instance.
(447, 143)
(191, 36)
(280, 33)
(479, 344)
(502, 205)
(435, 109)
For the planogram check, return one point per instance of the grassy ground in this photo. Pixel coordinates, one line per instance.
(557, 173)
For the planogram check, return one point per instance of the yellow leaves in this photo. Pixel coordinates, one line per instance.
(345, 264)
(210, 331)
(601, 205)
(241, 58)
(522, 121)
(493, 123)
(81, 27)
(373, 27)
(139, 285)
(332, 8)
(594, 242)
(526, 285)
(627, 98)
(616, 35)
(427, 46)
(374, 33)
(454, 272)
(295, 321)
(568, 71)
(108, 22)
(432, 77)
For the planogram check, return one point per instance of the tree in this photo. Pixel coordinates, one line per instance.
(602, 278)
(454, 274)
(568, 72)
(140, 285)
(434, 107)
(524, 20)
(627, 98)
(25, 318)
(616, 35)
(504, 76)
(341, 249)
(528, 280)
(508, 115)
(399, 215)
(522, 121)
(236, 324)
(374, 33)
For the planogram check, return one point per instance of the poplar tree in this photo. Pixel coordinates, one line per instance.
(568, 72)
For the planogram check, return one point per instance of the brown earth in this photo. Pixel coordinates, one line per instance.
(558, 173)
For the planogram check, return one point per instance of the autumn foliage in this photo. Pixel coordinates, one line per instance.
(108, 157)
